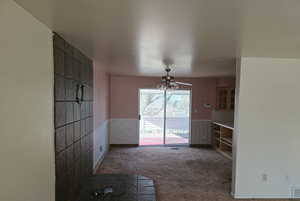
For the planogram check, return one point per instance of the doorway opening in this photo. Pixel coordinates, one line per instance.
(164, 117)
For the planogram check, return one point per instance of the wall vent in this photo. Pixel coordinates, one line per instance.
(296, 192)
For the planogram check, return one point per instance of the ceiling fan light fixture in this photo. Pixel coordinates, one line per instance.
(168, 82)
(165, 87)
(168, 85)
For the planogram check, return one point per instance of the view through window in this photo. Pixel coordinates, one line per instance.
(164, 117)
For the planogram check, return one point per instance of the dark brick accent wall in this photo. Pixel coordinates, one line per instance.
(73, 121)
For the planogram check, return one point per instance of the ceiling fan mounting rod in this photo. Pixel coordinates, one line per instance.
(168, 69)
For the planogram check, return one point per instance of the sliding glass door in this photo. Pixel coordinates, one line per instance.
(151, 117)
(177, 119)
(164, 117)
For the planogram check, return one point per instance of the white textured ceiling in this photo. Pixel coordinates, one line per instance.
(202, 37)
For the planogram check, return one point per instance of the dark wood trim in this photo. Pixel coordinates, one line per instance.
(73, 122)
(124, 145)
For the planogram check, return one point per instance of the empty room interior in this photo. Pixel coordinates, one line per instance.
(138, 100)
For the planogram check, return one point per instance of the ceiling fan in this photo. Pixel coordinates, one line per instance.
(168, 81)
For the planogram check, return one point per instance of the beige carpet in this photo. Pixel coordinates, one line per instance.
(186, 174)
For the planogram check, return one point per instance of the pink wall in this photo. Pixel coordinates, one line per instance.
(225, 82)
(124, 94)
(101, 95)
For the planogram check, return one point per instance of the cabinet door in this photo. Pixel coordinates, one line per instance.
(225, 98)
(222, 98)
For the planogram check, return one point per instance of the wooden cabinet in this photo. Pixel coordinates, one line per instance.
(222, 139)
(225, 98)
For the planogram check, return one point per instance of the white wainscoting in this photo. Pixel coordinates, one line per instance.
(201, 132)
(124, 131)
(101, 137)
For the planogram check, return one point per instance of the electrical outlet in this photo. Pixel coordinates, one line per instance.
(100, 148)
(264, 177)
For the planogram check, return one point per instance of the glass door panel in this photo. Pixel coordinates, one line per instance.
(177, 117)
(151, 117)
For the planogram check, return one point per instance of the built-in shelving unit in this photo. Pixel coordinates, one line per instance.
(222, 138)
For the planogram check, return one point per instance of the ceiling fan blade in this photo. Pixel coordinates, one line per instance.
(183, 83)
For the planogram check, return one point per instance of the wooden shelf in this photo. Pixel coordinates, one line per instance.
(222, 140)
(226, 143)
(227, 140)
(227, 154)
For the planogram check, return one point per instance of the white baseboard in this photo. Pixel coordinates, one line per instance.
(261, 197)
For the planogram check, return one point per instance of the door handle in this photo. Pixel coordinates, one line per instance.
(82, 93)
(79, 93)
(139, 117)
